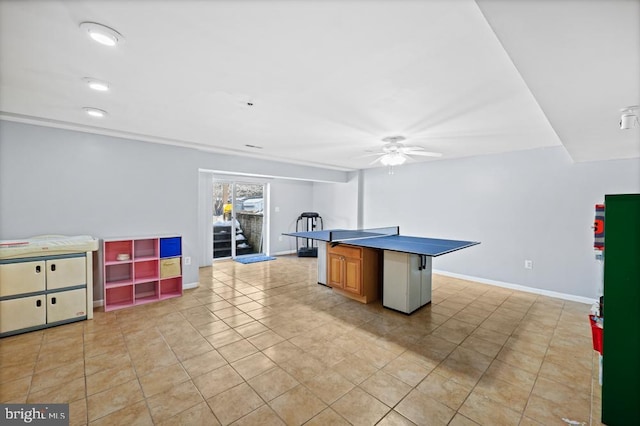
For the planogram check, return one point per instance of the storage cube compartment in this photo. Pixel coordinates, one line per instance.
(118, 274)
(170, 267)
(147, 292)
(170, 287)
(114, 248)
(145, 248)
(118, 297)
(146, 270)
(170, 247)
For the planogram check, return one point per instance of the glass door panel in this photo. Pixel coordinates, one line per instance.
(248, 208)
(223, 224)
(238, 219)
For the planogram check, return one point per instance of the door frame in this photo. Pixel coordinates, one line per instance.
(205, 209)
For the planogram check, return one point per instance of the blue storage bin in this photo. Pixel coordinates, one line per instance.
(170, 247)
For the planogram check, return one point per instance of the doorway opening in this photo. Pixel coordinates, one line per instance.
(239, 219)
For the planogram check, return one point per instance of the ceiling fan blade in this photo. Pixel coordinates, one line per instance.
(424, 153)
(377, 160)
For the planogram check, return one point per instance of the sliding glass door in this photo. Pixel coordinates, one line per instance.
(238, 219)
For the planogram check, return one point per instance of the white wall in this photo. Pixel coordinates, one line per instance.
(338, 203)
(535, 205)
(55, 181)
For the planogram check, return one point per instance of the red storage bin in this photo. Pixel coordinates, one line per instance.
(596, 333)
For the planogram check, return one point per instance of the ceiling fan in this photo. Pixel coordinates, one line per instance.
(395, 153)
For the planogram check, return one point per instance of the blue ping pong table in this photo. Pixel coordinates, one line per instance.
(406, 275)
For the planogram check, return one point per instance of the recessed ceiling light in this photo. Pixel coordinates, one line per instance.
(100, 86)
(102, 34)
(95, 112)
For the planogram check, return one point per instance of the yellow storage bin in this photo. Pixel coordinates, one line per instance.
(170, 267)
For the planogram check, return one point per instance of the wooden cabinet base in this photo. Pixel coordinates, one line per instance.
(354, 272)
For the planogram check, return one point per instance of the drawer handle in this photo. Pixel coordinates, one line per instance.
(53, 300)
(53, 267)
(38, 303)
(38, 269)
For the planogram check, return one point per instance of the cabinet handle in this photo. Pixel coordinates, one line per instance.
(38, 269)
(53, 300)
(38, 303)
(53, 267)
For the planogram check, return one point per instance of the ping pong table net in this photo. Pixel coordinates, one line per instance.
(359, 234)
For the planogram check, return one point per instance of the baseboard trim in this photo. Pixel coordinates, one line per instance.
(564, 296)
(284, 253)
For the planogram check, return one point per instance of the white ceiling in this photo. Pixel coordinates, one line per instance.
(329, 79)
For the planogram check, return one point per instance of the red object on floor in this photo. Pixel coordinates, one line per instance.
(596, 333)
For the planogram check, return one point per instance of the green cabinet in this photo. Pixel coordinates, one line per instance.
(621, 355)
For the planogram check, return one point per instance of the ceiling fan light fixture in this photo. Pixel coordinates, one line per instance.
(393, 159)
(102, 34)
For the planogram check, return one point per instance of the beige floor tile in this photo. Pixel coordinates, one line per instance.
(550, 412)
(234, 403)
(355, 370)
(203, 363)
(237, 350)
(64, 393)
(198, 415)
(263, 416)
(524, 361)
(217, 381)
(444, 390)
(386, 388)
(422, 409)
(107, 379)
(393, 418)
(329, 386)
(360, 408)
(273, 383)
(327, 417)
(135, 414)
(409, 372)
(503, 393)
(163, 379)
(481, 345)
(253, 365)
(179, 398)
(15, 392)
(114, 399)
(251, 329)
(303, 367)
(224, 338)
(265, 339)
(514, 375)
(460, 420)
(297, 405)
(485, 411)
(78, 412)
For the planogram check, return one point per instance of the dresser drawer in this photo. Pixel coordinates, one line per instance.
(346, 251)
(22, 277)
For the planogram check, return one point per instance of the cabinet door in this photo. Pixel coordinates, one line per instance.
(335, 272)
(16, 314)
(22, 277)
(66, 305)
(66, 272)
(353, 275)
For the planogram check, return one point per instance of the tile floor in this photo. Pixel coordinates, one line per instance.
(263, 344)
